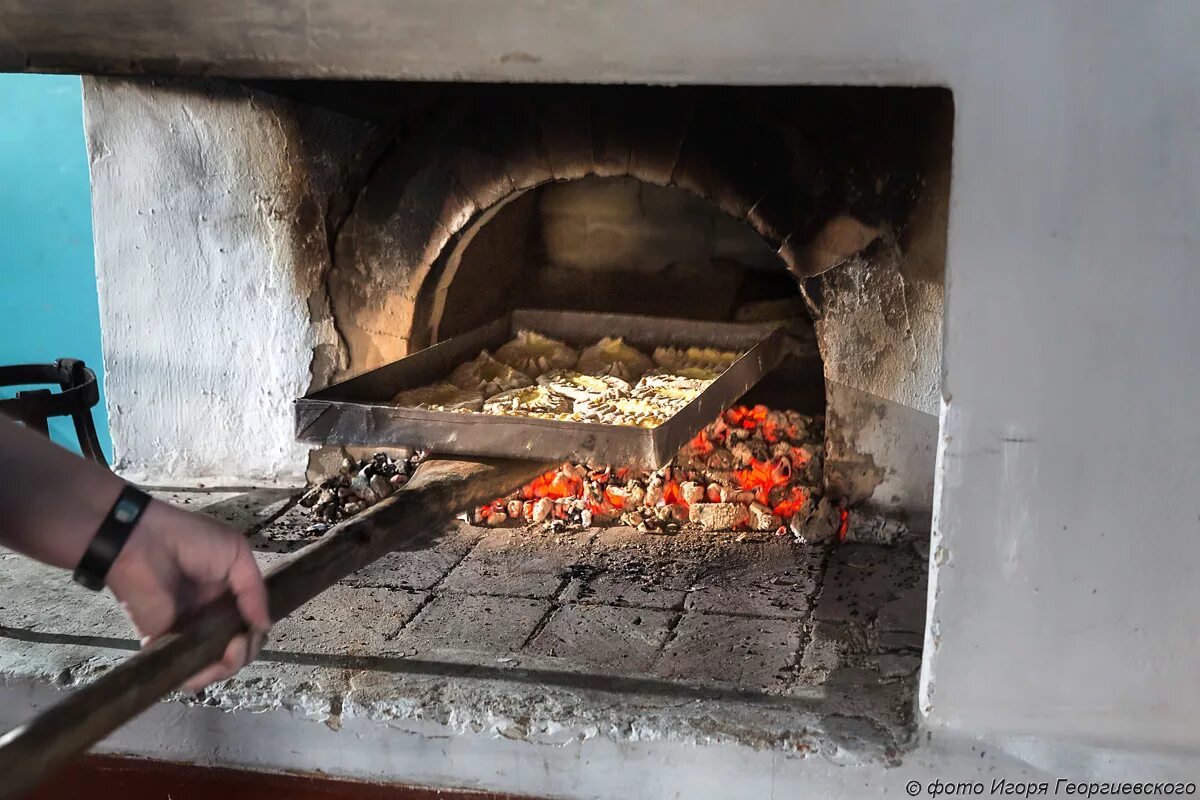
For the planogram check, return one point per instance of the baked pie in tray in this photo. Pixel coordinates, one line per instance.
(611, 356)
(534, 354)
(578, 386)
(440, 397)
(488, 376)
(687, 358)
(528, 401)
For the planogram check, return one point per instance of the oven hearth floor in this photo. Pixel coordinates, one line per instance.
(694, 637)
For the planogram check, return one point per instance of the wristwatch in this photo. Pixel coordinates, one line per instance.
(110, 538)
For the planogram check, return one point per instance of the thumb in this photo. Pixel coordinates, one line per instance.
(246, 583)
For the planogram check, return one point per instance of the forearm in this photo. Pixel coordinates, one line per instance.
(51, 505)
(51, 501)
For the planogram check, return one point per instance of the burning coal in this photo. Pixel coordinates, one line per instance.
(753, 468)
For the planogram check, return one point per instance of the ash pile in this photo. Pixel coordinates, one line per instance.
(357, 486)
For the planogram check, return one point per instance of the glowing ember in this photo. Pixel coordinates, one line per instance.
(615, 497)
(672, 495)
(746, 418)
(762, 477)
(791, 505)
(701, 445)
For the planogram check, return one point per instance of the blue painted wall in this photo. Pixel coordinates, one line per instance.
(48, 306)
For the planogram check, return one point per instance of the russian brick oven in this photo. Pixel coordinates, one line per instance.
(263, 234)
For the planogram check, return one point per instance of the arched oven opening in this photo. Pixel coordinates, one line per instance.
(605, 244)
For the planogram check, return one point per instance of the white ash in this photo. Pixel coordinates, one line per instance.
(821, 526)
(874, 529)
(719, 516)
(762, 518)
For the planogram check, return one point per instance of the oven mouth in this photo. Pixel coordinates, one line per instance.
(407, 216)
(653, 202)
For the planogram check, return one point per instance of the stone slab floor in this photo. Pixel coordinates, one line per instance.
(605, 632)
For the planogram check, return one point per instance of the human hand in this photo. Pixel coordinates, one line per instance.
(175, 561)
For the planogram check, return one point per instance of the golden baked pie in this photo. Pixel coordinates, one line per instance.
(488, 376)
(681, 358)
(440, 397)
(578, 386)
(527, 401)
(534, 354)
(611, 356)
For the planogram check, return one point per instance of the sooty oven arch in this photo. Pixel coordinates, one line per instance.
(431, 192)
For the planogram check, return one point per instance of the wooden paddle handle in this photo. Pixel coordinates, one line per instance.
(416, 513)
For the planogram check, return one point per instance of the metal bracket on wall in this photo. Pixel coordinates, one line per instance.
(34, 407)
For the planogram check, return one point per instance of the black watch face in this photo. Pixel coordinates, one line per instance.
(126, 510)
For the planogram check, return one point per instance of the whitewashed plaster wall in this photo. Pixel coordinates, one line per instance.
(205, 280)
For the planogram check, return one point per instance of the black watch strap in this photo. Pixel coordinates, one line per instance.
(114, 531)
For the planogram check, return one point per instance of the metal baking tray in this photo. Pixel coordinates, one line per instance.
(357, 411)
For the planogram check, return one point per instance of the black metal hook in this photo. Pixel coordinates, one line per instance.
(78, 393)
